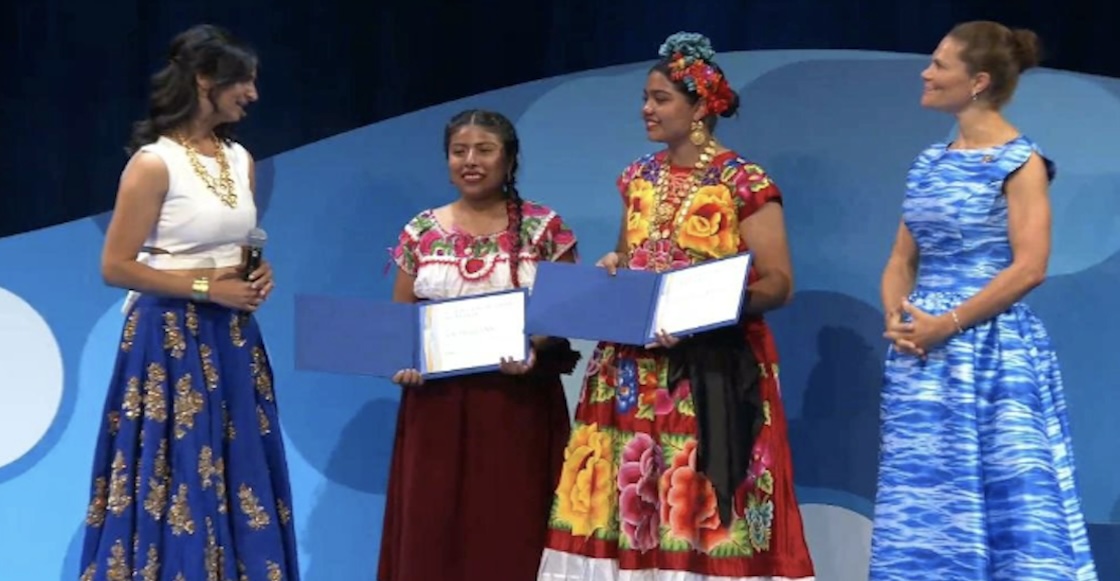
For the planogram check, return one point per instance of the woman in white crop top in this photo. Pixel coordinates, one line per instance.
(189, 476)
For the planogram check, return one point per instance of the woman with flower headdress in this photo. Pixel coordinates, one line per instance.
(679, 461)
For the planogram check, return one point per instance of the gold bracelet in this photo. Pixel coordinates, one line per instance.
(200, 289)
(956, 321)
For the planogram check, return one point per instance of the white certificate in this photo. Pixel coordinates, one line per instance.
(701, 297)
(473, 333)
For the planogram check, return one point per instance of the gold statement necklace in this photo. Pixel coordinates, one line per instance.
(223, 185)
(663, 207)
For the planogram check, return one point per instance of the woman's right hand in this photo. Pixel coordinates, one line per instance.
(235, 293)
(895, 326)
(610, 261)
(408, 378)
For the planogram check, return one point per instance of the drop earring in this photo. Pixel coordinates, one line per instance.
(698, 136)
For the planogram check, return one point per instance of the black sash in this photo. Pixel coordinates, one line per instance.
(725, 375)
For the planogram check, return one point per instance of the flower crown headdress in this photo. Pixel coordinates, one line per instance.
(690, 56)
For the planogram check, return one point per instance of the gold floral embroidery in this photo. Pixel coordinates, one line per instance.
(155, 403)
(244, 576)
(90, 571)
(262, 375)
(283, 512)
(118, 568)
(251, 507)
(215, 555)
(262, 419)
(130, 404)
(119, 496)
(235, 334)
(192, 319)
(129, 334)
(150, 572)
(188, 403)
(156, 501)
(231, 431)
(179, 517)
(212, 473)
(95, 515)
(173, 339)
(208, 370)
(114, 418)
(274, 573)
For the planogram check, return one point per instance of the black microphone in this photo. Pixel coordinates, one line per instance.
(254, 243)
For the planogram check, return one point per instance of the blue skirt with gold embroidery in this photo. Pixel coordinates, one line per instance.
(190, 482)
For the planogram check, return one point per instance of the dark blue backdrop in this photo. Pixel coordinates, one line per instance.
(75, 72)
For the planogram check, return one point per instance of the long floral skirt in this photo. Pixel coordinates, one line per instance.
(631, 504)
(190, 481)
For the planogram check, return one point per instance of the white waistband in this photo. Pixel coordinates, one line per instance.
(223, 257)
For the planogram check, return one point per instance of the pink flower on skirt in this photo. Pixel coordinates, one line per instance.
(639, 510)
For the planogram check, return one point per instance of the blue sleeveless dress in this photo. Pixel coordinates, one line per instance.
(976, 475)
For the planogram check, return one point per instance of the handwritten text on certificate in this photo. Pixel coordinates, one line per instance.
(701, 295)
(474, 332)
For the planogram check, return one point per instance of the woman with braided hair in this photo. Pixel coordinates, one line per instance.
(476, 457)
(679, 465)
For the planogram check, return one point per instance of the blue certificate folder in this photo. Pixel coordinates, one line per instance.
(368, 337)
(585, 302)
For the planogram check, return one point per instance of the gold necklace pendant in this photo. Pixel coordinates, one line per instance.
(664, 208)
(222, 186)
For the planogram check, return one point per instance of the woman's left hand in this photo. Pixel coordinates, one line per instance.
(664, 340)
(510, 366)
(924, 331)
(261, 279)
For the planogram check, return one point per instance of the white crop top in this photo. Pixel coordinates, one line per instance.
(195, 229)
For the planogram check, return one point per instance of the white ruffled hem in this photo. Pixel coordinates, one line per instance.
(560, 566)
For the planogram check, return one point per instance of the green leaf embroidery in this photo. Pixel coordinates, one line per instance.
(672, 543)
(738, 545)
(671, 445)
(600, 391)
(765, 482)
(685, 406)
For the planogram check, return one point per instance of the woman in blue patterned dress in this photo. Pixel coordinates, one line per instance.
(976, 478)
(190, 481)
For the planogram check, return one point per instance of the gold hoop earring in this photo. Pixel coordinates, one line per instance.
(698, 136)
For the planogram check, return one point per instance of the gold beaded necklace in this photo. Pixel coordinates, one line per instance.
(664, 209)
(223, 185)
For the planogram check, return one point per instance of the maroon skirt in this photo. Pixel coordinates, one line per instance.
(475, 465)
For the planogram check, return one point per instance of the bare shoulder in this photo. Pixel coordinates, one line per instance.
(146, 171)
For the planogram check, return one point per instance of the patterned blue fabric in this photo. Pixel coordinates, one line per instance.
(190, 481)
(976, 477)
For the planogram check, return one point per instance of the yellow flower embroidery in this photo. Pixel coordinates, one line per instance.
(639, 211)
(587, 481)
(710, 227)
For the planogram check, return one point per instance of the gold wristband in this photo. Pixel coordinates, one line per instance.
(200, 289)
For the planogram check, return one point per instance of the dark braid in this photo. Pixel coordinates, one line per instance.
(503, 128)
